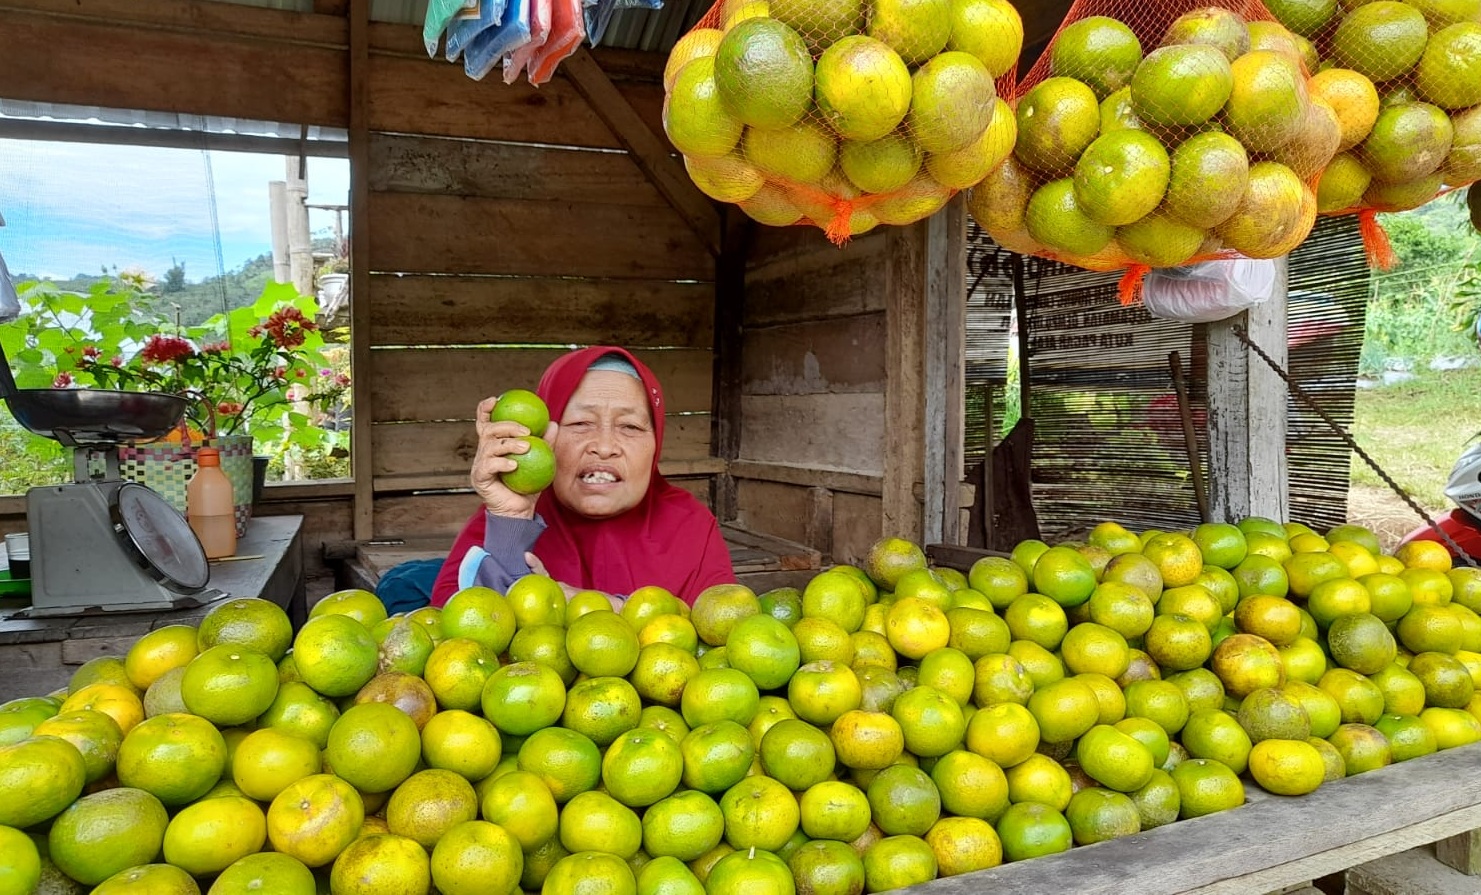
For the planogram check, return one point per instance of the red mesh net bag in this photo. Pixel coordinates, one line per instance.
(1154, 133)
(844, 114)
(1405, 81)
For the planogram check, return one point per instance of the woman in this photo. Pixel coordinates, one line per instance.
(609, 521)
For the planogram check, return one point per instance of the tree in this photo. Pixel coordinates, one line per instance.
(174, 279)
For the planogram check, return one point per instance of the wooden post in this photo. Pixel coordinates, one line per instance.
(1247, 413)
(1461, 852)
(300, 245)
(945, 382)
(363, 520)
(277, 204)
(904, 400)
(730, 299)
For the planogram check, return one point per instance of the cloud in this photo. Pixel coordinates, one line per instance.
(72, 207)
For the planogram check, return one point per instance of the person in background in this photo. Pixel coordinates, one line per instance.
(609, 521)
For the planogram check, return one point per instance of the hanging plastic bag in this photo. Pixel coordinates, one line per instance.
(1209, 291)
(441, 14)
(465, 30)
(843, 114)
(1405, 79)
(491, 46)
(599, 15)
(1156, 133)
(519, 60)
(567, 31)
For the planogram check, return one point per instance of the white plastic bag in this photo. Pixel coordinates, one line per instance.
(10, 303)
(1210, 290)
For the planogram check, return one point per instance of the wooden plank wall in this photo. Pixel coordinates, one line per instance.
(813, 382)
(489, 257)
(505, 222)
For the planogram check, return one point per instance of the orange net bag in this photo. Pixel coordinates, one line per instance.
(843, 114)
(1405, 81)
(1154, 133)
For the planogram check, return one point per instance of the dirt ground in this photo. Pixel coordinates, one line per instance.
(1382, 511)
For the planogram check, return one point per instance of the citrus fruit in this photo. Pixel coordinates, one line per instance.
(117, 701)
(480, 614)
(315, 818)
(903, 800)
(1215, 734)
(684, 826)
(1057, 119)
(1097, 815)
(162, 878)
(1268, 102)
(759, 813)
(1181, 85)
(820, 24)
(1098, 50)
(106, 832)
(1361, 642)
(1451, 727)
(228, 685)
(1269, 214)
(1206, 787)
(564, 760)
(754, 871)
(1287, 767)
(763, 73)
(1221, 29)
(428, 804)
(335, 654)
(1446, 681)
(1408, 736)
(952, 101)
(522, 406)
(374, 746)
(477, 857)
(95, 735)
(405, 647)
(1362, 748)
(381, 862)
(265, 872)
(991, 30)
(1177, 642)
(1064, 710)
(159, 651)
(1032, 830)
(1408, 141)
(1122, 177)
(268, 760)
(716, 756)
(208, 836)
(175, 758)
(1381, 40)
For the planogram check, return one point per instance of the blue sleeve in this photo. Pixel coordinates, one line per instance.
(501, 559)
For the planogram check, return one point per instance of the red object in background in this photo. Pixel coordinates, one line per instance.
(1462, 527)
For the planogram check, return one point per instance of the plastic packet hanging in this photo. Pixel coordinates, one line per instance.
(519, 60)
(1209, 291)
(10, 303)
(441, 14)
(464, 30)
(491, 46)
(599, 15)
(567, 31)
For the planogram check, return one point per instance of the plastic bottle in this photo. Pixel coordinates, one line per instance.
(209, 506)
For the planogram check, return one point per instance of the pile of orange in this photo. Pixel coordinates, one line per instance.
(888, 724)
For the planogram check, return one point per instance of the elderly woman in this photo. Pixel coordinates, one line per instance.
(609, 521)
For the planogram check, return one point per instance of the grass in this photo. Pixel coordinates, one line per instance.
(1416, 429)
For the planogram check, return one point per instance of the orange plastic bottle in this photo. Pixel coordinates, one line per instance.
(209, 506)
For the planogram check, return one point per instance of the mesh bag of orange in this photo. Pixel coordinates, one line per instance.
(1154, 133)
(1405, 81)
(843, 114)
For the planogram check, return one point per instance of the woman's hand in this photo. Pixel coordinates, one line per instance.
(496, 443)
(538, 568)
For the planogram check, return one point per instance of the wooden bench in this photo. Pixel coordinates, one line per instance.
(761, 562)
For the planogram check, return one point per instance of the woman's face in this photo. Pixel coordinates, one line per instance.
(605, 446)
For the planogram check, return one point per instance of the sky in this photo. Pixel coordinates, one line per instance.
(73, 208)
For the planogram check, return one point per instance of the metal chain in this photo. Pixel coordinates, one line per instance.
(1301, 393)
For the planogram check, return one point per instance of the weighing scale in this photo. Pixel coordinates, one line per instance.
(102, 543)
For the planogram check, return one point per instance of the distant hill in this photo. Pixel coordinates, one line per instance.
(198, 301)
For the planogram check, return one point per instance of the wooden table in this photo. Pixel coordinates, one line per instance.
(1266, 845)
(39, 655)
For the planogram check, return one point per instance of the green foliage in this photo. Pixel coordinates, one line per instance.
(1425, 308)
(263, 369)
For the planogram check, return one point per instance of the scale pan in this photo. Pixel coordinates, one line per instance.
(96, 416)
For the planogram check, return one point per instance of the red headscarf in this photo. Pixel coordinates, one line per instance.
(668, 539)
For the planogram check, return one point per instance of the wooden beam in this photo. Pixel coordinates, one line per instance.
(832, 479)
(904, 399)
(648, 150)
(730, 300)
(361, 459)
(1247, 413)
(169, 138)
(945, 383)
(331, 7)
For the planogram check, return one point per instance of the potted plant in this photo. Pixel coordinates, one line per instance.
(260, 379)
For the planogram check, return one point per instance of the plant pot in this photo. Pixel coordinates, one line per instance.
(166, 468)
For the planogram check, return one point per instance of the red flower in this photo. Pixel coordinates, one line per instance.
(280, 373)
(63, 380)
(341, 380)
(287, 327)
(92, 352)
(117, 360)
(160, 349)
(215, 348)
(229, 408)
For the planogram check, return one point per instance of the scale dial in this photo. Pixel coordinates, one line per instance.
(159, 539)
